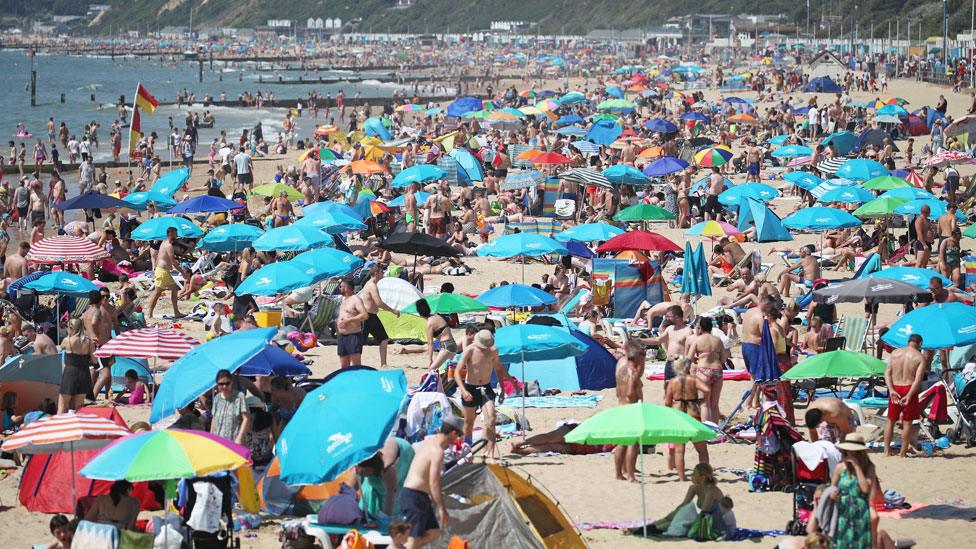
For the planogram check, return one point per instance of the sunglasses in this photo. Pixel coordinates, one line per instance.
(223, 384)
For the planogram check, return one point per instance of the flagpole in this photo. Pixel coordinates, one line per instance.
(135, 99)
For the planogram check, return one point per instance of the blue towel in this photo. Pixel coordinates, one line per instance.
(555, 401)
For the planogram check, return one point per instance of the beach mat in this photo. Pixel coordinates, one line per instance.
(555, 401)
(727, 375)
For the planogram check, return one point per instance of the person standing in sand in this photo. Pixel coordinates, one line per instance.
(420, 498)
(923, 232)
(282, 210)
(630, 388)
(373, 302)
(903, 377)
(752, 329)
(477, 363)
(410, 208)
(352, 314)
(708, 354)
(15, 266)
(165, 259)
(674, 339)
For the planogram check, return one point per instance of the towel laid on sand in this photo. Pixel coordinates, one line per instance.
(555, 401)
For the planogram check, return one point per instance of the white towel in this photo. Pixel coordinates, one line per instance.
(812, 453)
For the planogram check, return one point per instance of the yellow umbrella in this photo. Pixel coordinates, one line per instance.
(532, 111)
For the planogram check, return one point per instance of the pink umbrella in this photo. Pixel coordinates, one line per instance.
(148, 342)
(65, 249)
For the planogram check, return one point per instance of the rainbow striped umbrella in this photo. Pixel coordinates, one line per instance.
(711, 157)
(166, 454)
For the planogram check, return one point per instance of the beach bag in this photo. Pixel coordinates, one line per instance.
(601, 293)
(135, 540)
(703, 528)
(682, 521)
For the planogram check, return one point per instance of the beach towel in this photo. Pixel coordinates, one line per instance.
(727, 375)
(813, 453)
(555, 401)
(92, 535)
(826, 513)
(761, 362)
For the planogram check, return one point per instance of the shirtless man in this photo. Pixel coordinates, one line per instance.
(43, 345)
(815, 340)
(98, 326)
(370, 295)
(708, 353)
(754, 161)
(15, 266)
(923, 232)
(478, 361)
(809, 266)
(410, 208)
(947, 223)
(828, 418)
(38, 202)
(423, 484)
(752, 328)
(58, 195)
(630, 389)
(716, 186)
(282, 209)
(674, 338)
(352, 314)
(165, 259)
(438, 207)
(904, 376)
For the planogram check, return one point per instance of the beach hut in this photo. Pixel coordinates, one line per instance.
(826, 63)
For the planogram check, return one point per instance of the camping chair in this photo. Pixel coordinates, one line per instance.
(322, 313)
(573, 302)
(205, 265)
(898, 255)
(854, 330)
(870, 265)
(726, 279)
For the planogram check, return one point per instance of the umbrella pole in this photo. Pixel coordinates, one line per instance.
(640, 449)
(74, 490)
(523, 269)
(57, 321)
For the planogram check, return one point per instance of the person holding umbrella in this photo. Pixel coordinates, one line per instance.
(478, 361)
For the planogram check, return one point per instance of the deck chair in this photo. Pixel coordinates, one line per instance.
(81, 303)
(725, 279)
(573, 302)
(205, 264)
(870, 265)
(854, 330)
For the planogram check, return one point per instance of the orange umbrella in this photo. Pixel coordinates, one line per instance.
(528, 155)
(550, 158)
(365, 167)
(652, 152)
(744, 118)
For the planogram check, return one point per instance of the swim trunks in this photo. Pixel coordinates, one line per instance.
(409, 218)
(163, 278)
(350, 344)
(754, 168)
(750, 355)
(909, 412)
(418, 510)
(437, 225)
(480, 394)
(373, 327)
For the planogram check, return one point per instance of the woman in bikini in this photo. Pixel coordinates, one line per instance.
(439, 336)
(682, 394)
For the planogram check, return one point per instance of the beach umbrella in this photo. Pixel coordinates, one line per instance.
(445, 304)
(830, 185)
(171, 181)
(759, 191)
(589, 232)
(62, 283)
(915, 276)
(820, 218)
(642, 424)
(398, 202)
(140, 200)
(603, 132)
(550, 159)
(523, 179)
(941, 325)
(879, 207)
(837, 364)
(804, 180)
(843, 140)
(156, 228)
(887, 119)
(616, 105)
(327, 263)
(65, 249)
(891, 110)
(91, 200)
(292, 238)
(464, 105)
(194, 373)
(276, 278)
(645, 241)
(275, 189)
(660, 125)
(622, 174)
(274, 361)
(861, 169)
(418, 244)
(572, 98)
(779, 140)
(695, 116)
(522, 245)
(205, 203)
(152, 343)
(230, 238)
(421, 173)
(876, 289)
(398, 293)
(531, 342)
(886, 183)
(586, 176)
(695, 278)
(743, 118)
(792, 151)
(568, 119)
(333, 207)
(713, 229)
(936, 208)
(643, 212)
(331, 222)
(947, 157)
(573, 131)
(165, 454)
(374, 127)
(664, 166)
(516, 295)
(850, 194)
(332, 432)
(909, 193)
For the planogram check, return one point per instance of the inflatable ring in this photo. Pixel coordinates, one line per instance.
(302, 341)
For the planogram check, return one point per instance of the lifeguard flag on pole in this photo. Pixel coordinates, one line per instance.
(135, 130)
(145, 100)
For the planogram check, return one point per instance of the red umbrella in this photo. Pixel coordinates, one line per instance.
(65, 249)
(646, 241)
(148, 342)
(550, 158)
(914, 178)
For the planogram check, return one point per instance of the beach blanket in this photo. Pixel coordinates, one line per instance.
(727, 375)
(555, 401)
(739, 534)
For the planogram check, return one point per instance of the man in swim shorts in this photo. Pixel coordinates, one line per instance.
(370, 295)
(903, 376)
(752, 329)
(421, 499)
(165, 260)
(352, 313)
(478, 361)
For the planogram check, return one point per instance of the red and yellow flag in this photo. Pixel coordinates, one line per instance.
(135, 130)
(145, 100)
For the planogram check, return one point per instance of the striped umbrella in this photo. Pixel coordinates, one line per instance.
(587, 176)
(916, 179)
(65, 249)
(586, 147)
(945, 158)
(831, 165)
(148, 343)
(712, 157)
(829, 185)
(523, 179)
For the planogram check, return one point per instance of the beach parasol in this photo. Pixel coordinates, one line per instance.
(205, 203)
(886, 183)
(820, 218)
(915, 276)
(622, 174)
(327, 263)
(274, 361)
(445, 304)
(874, 289)
(861, 169)
(713, 229)
(586, 176)
(879, 207)
(646, 241)
(792, 151)
(276, 278)
(152, 343)
(759, 191)
(550, 159)
(711, 157)
(664, 166)
(230, 238)
(908, 193)
(516, 295)
(275, 189)
(292, 238)
(364, 167)
(140, 200)
(65, 249)
(589, 232)
(848, 194)
(643, 212)
(936, 208)
(421, 173)
(837, 364)
(91, 200)
(522, 245)
(333, 222)
(941, 325)
(155, 229)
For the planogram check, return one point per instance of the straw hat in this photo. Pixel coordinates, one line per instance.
(484, 339)
(853, 442)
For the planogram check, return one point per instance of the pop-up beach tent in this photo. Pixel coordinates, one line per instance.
(592, 371)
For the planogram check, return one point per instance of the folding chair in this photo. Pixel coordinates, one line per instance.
(725, 279)
(854, 330)
(321, 315)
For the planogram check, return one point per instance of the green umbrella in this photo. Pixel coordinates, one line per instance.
(326, 153)
(615, 105)
(886, 183)
(837, 364)
(481, 115)
(446, 304)
(879, 207)
(643, 212)
(274, 189)
(604, 116)
(970, 231)
(640, 423)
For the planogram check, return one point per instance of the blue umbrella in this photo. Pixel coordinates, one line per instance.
(892, 110)
(470, 163)
(195, 373)
(141, 200)
(332, 222)
(433, 112)
(397, 202)
(522, 245)
(819, 218)
(759, 191)
(332, 207)
(230, 238)
(704, 284)
(463, 105)
(850, 194)
(844, 141)
(908, 193)
(586, 147)
(941, 325)
(568, 119)
(916, 276)
(804, 180)
(779, 139)
(421, 173)
(530, 342)
(660, 126)
(62, 283)
(374, 127)
(155, 229)
(791, 151)
(614, 91)
(769, 227)
(734, 99)
(274, 361)
(292, 238)
(516, 295)
(332, 430)
(589, 232)
(861, 169)
(90, 201)
(171, 182)
(695, 277)
(603, 132)
(936, 208)
(327, 263)
(664, 166)
(206, 203)
(578, 249)
(277, 278)
(694, 115)
(572, 98)
(571, 131)
(622, 174)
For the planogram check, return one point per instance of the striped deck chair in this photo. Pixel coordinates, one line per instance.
(514, 151)
(854, 330)
(544, 227)
(322, 313)
(969, 271)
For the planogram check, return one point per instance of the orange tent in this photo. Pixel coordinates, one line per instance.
(280, 499)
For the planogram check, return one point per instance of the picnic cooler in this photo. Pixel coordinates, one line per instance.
(268, 318)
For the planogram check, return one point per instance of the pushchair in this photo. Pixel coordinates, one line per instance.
(964, 391)
(216, 514)
(805, 483)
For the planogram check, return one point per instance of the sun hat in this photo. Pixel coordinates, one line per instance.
(853, 442)
(484, 339)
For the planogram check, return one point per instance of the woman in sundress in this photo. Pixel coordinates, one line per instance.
(854, 479)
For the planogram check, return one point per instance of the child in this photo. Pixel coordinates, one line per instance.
(725, 504)
(261, 441)
(11, 420)
(138, 392)
(399, 532)
(63, 531)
